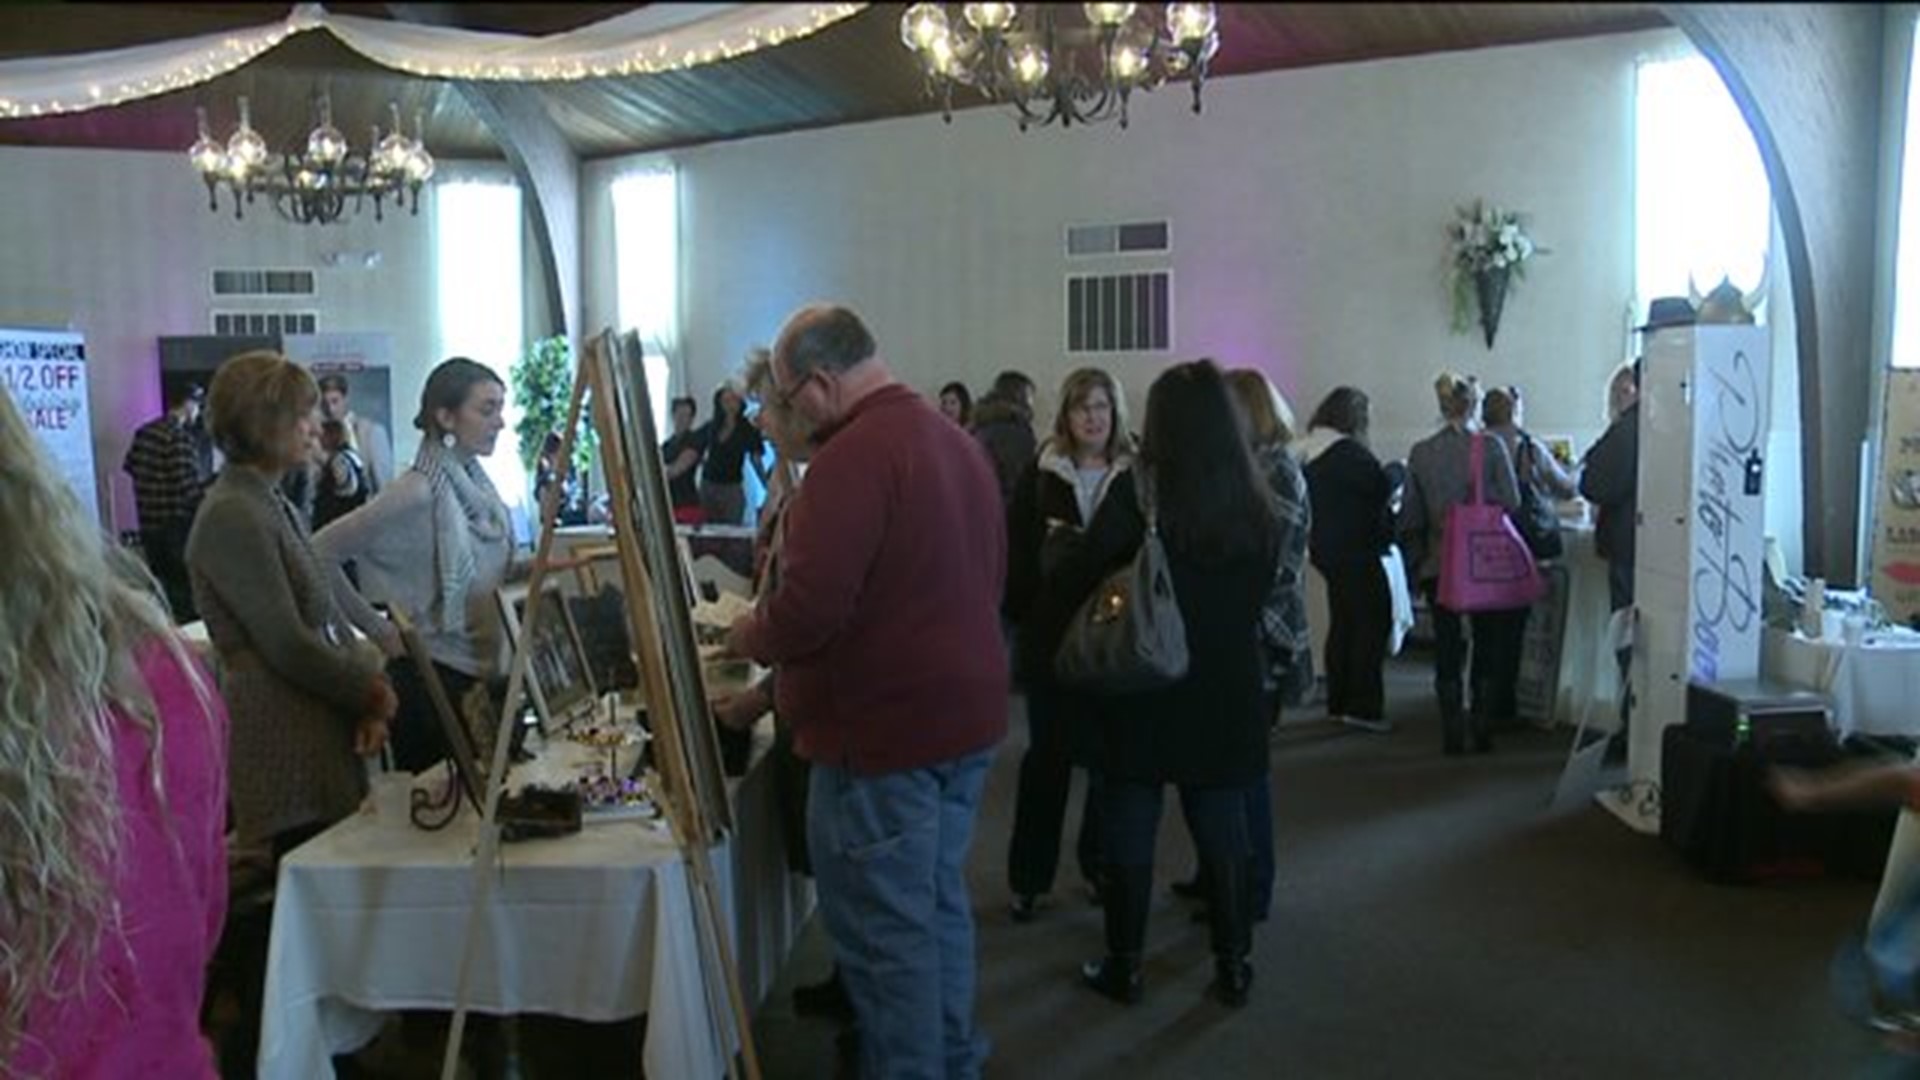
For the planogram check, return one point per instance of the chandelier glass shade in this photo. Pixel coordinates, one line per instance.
(324, 180)
(1053, 72)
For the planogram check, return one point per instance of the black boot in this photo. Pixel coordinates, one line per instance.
(1128, 893)
(1230, 902)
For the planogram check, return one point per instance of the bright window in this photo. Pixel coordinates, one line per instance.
(646, 228)
(477, 252)
(1906, 266)
(1702, 205)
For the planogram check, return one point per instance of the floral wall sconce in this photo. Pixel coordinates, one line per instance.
(1488, 251)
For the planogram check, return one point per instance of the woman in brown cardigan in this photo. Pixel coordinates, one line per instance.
(306, 705)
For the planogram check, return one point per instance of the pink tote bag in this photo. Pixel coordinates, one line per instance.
(1484, 563)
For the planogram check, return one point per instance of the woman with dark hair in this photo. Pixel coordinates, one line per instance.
(1206, 732)
(956, 404)
(436, 543)
(682, 452)
(1439, 475)
(731, 444)
(1352, 529)
(1060, 491)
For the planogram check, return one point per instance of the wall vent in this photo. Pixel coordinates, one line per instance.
(1130, 238)
(233, 283)
(264, 323)
(1120, 312)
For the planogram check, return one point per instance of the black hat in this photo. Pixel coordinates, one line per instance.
(1667, 311)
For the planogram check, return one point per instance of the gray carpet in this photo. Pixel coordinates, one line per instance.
(1433, 919)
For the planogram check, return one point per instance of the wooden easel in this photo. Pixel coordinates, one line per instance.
(693, 802)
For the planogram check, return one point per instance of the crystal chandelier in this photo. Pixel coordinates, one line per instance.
(320, 184)
(1043, 69)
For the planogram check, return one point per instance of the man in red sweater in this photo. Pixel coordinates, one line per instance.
(885, 628)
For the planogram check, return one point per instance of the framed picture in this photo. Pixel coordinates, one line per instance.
(559, 676)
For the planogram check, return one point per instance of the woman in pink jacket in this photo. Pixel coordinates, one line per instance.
(113, 790)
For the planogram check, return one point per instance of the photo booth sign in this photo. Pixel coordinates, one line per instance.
(46, 373)
(1728, 541)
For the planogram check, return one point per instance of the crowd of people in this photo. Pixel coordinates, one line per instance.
(931, 562)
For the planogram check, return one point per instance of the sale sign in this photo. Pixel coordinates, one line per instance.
(45, 372)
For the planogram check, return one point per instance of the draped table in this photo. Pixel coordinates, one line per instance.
(599, 926)
(1873, 685)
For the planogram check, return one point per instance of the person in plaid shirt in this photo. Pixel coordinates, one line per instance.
(167, 484)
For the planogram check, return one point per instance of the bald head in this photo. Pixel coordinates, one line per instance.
(823, 337)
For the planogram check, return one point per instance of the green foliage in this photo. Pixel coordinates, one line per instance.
(543, 389)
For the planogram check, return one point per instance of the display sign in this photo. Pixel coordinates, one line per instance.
(1727, 539)
(45, 371)
(1895, 580)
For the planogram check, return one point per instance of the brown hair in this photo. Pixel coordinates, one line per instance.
(255, 398)
(447, 388)
(1269, 418)
(1074, 391)
(1497, 408)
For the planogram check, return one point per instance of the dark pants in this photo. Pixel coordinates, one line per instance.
(790, 774)
(1040, 803)
(165, 547)
(1493, 643)
(1218, 817)
(1620, 595)
(1360, 616)
(1257, 806)
(1507, 637)
(416, 737)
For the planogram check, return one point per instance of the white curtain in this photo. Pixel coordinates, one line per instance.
(657, 37)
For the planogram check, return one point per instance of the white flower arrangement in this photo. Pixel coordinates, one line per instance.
(1484, 238)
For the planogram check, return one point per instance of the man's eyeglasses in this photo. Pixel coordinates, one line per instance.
(783, 396)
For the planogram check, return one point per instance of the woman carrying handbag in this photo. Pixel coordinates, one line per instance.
(1203, 730)
(1440, 477)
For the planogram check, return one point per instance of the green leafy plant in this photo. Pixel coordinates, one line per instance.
(543, 389)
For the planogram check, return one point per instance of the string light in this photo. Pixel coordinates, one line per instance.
(237, 50)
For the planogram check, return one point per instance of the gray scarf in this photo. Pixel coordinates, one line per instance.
(466, 507)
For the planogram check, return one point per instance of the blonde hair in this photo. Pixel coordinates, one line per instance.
(255, 397)
(780, 416)
(1074, 391)
(72, 615)
(1269, 417)
(1456, 394)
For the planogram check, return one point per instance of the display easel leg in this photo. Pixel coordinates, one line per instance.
(489, 839)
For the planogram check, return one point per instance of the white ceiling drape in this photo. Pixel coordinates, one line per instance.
(658, 37)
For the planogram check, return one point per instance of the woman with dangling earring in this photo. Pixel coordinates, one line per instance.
(436, 543)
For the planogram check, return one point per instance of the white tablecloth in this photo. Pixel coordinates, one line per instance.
(1588, 686)
(595, 926)
(1874, 686)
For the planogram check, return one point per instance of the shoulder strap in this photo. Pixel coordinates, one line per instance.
(1476, 464)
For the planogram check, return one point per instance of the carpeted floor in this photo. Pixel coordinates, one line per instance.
(1434, 918)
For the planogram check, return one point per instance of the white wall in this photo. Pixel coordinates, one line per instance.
(120, 246)
(1308, 211)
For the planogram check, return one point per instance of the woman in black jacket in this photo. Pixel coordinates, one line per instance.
(1352, 529)
(1205, 733)
(1055, 497)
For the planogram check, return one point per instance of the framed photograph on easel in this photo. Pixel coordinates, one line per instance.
(559, 677)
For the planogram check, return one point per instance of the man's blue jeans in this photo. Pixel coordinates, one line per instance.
(889, 860)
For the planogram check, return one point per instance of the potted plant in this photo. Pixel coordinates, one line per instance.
(543, 388)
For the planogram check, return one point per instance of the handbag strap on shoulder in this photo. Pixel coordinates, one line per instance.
(1477, 464)
(1143, 494)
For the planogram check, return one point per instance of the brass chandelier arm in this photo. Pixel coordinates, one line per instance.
(1041, 71)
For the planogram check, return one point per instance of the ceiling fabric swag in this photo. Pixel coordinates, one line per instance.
(662, 37)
